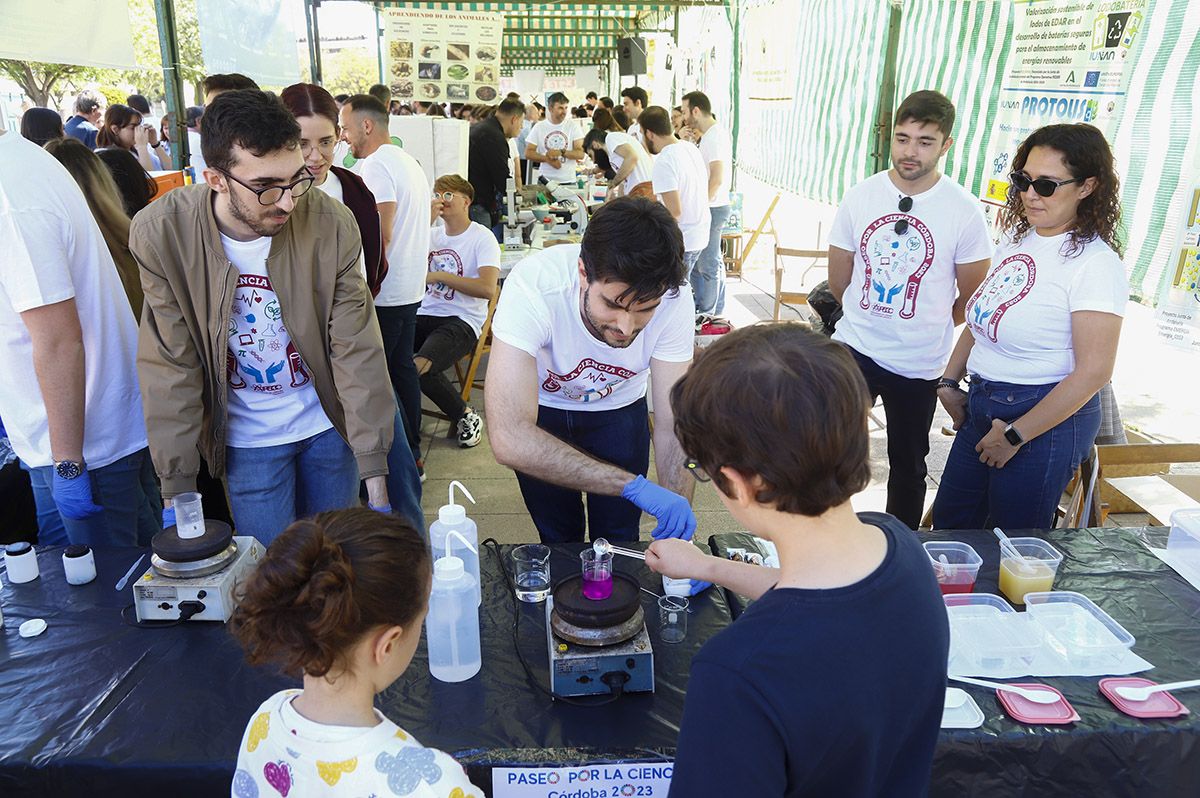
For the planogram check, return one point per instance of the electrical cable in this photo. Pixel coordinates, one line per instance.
(186, 613)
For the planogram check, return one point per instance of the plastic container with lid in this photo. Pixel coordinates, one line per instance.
(465, 546)
(1184, 540)
(1078, 629)
(1033, 573)
(956, 565)
(452, 624)
(987, 634)
(21, 562)
(1022, 709)
(1158, 705)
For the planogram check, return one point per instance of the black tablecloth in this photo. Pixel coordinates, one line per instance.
(95, 706)
(1106, 753)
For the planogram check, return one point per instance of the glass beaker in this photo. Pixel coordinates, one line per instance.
(672, 618)
(597, 574)
(531, 564)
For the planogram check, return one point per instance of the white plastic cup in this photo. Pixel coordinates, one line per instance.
(189, 515)
(21, 561)
(79, 564)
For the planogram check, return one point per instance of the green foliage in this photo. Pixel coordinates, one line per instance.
(112, 94)
(349, 71)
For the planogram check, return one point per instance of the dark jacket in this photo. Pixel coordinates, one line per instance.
(361, 202)
(487, 163)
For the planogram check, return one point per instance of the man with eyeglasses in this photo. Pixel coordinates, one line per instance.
(402, 192)
(907, 249)
(259, 350)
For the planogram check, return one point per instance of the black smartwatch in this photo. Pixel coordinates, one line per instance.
(1012, 436)
(68, 469)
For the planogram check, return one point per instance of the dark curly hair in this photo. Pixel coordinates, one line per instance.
(325, 583)
(254, 120)
(1086, 154)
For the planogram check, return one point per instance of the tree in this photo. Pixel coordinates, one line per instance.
(44, 83)
(349, 71)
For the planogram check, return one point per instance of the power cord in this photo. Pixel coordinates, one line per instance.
(615, 680)
(187, 610)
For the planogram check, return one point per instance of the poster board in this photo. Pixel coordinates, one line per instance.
(1071, 62)
(85, 32)
(443, 56)
(439, 145)
(254, 37)
(1178, 311)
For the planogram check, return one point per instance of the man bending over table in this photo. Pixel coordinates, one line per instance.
(832, 681)
(577, 334)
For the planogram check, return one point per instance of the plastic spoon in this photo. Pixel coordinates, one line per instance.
(947, 568)
(1006, 546)
(602, 547)
(1036, 696)
(1139, 694)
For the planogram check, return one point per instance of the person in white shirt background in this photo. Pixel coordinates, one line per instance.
(402, 192)
(681, 181)
(634, 100)
(717, 149)
(907, 248)
(627, 156)
(74, 417)
(1041, 337)
(464, 275)
(555, 143)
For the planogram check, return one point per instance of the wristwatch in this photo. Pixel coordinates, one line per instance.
(1012, 436)
(68, 469)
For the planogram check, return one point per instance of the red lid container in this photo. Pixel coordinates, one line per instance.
(1158, 705)
(1058, 713)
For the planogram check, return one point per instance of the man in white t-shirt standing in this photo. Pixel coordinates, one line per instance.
(402, 193)
(69, 397)
(464, 275)
(634, 100)
(907, 249)
(681, 182)
(577, 334)
(555, 143)
(716, 148)
(628, 157)
(259, 349)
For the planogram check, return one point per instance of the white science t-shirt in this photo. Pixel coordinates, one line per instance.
(539, 314)
(680, 168)
(462, 255)
(1021, 313)
(395, 176)
(716, 145)
(51, 250)
(641, 171)
(272, 400)
(898, 308)
(547, 136)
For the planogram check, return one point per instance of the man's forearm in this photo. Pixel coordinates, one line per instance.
(669, 461)
(477, 287)
(625, 171)
(533, 451)
(743, 578)
(59, 366)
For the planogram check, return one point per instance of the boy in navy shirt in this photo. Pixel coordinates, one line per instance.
(832, 682)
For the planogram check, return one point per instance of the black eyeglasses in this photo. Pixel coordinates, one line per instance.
(1044, 186)
(273, 194)
(902, 225)
(697, 471)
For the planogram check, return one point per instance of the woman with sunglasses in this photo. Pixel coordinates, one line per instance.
(1041, 337)
(123, 129)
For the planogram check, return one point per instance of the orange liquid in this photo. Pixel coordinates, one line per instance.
(1029, 576)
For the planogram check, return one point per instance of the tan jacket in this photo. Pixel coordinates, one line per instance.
(183, 345)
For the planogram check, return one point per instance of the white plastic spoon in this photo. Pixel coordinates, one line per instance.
(1139, 694)
(1007, 547)
(1036, 696)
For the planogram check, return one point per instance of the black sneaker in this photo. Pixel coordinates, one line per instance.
(470, 429)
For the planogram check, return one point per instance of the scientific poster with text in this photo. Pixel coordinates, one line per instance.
(1178, 309)
(443, 56)
(1069, 61)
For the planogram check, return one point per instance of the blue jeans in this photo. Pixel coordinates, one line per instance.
(620, 437)
(403, 481)
(1025, 492)
(126, 489)
(272, 486)
(708, 275)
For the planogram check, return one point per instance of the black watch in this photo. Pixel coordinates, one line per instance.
(68, 469)
(1012, 436)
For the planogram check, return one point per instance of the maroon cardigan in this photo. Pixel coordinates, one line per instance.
(361, 202)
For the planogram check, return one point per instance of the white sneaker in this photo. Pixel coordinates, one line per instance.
(470, 429)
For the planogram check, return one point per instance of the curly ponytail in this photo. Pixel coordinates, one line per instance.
(326, 582)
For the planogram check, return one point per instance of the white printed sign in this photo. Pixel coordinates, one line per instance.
(443, 56)
(632, 780)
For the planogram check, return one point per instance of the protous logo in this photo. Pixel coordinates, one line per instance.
(1061, 109)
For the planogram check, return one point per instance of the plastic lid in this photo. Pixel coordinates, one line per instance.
(18, 548)
(452, 514)
(76, 550)
(448, 568)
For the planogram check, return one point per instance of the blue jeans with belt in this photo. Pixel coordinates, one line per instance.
(620, 437)
(1025, 492)
(708, 276)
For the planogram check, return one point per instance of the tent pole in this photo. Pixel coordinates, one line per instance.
(379, 42)
(887, 93)
(735, 14)
(314, 39)
(168, 44)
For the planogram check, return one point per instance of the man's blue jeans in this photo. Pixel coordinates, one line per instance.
(272, 486)
(1025, 492)
(127, 491)
(708, 276)
(403, 481)
(620, 437)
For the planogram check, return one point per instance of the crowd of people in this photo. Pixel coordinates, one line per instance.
(251, 333)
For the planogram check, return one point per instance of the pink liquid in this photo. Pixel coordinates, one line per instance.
(597, 587)
(958, 587)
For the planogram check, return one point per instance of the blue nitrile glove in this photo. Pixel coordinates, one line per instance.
(672, 511)
(73, 497)
(168, 516)
(698, 587)
(386, 508)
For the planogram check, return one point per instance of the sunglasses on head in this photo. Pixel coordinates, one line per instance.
(1044, 186)
(905, 206)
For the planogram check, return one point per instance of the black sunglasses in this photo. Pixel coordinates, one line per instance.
(1044, 186)
(905, 206)
(273, 194)
(697, 471)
